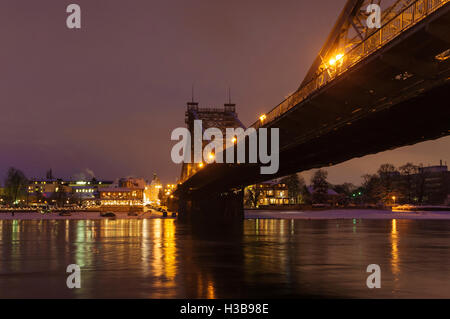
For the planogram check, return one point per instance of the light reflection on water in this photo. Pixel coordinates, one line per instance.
(159, 258)
(394, 245)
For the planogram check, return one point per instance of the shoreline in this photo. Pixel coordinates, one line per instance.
(368, 214)
(84, 215)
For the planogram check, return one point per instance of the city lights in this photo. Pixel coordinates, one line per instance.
(221, 160)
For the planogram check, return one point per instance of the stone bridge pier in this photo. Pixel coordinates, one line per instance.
(210, 208)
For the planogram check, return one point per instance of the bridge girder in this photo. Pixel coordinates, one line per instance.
(350, 30)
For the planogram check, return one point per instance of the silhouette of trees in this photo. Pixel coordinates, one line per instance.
(390, 185)
(15, 186)
(319, 186)
(49, 175)
(252, 195)
(294, 184)
(389, 178)
(371, 189)
(409, 173)
(346, 191)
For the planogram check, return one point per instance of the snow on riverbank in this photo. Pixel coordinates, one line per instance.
(75, 215)
(250, 214)
(346, 214)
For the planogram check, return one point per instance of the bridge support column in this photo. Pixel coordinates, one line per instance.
(211, 208)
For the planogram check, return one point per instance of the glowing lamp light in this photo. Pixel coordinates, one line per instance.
(335, 59)
(200, 165)
(234, 139)
(262, 117)
(211, 156)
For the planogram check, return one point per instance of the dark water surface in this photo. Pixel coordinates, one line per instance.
(160, 258)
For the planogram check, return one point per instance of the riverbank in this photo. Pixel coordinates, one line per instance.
(347, 214)
(249, 214)
(84, 215)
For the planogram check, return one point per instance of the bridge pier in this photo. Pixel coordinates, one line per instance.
(211, 208)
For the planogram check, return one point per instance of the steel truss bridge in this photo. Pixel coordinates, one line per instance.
(367, 91)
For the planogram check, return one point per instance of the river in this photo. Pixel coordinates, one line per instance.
(260, 258)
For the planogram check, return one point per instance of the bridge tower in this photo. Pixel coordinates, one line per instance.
(221, 118)
(212, 207)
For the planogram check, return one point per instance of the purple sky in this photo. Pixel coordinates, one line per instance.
(106, 97)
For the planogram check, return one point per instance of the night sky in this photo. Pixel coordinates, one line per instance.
(105, 98)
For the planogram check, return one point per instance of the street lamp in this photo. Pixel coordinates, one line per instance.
(335, 59)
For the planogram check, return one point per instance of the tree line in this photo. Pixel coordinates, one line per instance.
(389, 185)
(15, 191)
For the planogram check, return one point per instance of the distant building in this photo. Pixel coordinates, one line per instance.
(434, 183)
(132, 182)
(74, 192)
(84, 192)
(121, 198)
(87, 192)
(153, 189)
(434, 169)
(332, 197)
(272, 193)
(43, 191)
(2, 194)
(166, 193)
(43, 186)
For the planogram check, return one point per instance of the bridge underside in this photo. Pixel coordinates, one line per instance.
(425, 117)
(214, 207)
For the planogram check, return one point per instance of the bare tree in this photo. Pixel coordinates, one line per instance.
(15, 185)
(294, 184)
(409, 172)
(320, 186)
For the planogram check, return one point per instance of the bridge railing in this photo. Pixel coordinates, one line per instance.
(405, 19)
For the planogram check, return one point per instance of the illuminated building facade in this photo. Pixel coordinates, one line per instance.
(154, 189)
(43, 191)
(2, 193)
(121, 198)
(87, 192)
(272, 193)
(74, 192)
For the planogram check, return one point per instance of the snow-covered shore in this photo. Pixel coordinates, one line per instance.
(347, 214)
(75, 215)
(249, 214)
